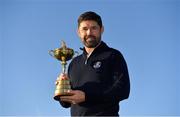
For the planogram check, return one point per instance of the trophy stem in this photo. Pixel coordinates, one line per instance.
(63, 69)
(63, 63)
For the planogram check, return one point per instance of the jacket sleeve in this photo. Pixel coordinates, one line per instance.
(120, 88)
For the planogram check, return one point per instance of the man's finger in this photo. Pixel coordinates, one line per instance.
(66, 97)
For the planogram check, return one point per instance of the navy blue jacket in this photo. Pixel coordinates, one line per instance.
(104, 79)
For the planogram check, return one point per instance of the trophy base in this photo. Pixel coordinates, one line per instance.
(63, 88)
(57, 97)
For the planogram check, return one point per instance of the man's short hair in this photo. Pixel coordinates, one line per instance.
(89, 15)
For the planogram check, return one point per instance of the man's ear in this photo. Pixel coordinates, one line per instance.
(77, 31)
(102, 29)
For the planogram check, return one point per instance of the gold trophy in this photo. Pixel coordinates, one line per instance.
(62, 54)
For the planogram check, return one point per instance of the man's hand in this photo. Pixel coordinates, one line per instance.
(61, 76)
(76, 96)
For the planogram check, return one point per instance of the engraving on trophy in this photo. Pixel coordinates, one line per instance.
(62, 54)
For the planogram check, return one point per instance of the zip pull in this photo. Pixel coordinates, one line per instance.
(88, 55)
(85, 62)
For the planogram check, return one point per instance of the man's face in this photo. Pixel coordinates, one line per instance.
(90, 33)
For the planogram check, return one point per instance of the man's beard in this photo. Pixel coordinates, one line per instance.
(91, 41)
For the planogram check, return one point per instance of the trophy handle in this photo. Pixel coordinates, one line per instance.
(51, 52)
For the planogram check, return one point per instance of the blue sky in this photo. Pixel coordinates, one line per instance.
(147, 32)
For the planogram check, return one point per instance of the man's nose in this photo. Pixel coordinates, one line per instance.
(89, 31)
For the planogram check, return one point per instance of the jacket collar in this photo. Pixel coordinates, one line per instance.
(102, 47)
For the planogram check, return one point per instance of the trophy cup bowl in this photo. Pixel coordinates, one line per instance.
(62, 54)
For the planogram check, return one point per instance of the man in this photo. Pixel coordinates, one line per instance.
(99, 76)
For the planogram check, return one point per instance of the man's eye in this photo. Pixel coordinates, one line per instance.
(84, 29)
(94, 28)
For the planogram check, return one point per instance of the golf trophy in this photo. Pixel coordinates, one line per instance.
(62, 54)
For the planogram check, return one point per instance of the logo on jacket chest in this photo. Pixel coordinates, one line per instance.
(97, 65)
